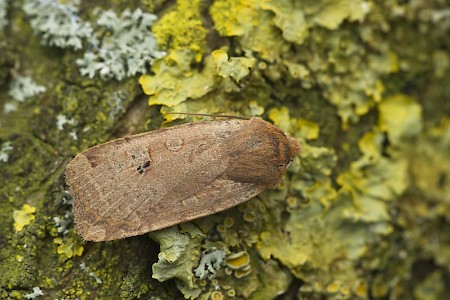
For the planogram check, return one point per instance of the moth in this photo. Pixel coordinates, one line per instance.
(149, 181)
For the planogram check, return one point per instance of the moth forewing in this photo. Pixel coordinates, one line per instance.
(153, 180)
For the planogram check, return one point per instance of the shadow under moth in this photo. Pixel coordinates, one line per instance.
(145, 182)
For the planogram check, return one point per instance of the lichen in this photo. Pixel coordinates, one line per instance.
(68, 248)
(182, 28)
(24, 87)
(235, 68)
(120, 46)
(58, 23)
(178, 255)
(123, 47)
(4, 151)
(36, 293)
(174, 81)
(363, 213)
(337, 67)
(210, 262)
(23, 217)
(239, 260)
(400, 117)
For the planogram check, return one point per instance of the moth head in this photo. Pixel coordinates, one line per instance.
(296, 147)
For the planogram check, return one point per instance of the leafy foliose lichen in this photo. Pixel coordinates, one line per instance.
(123, 47)
(336, 209)
(178, 256)
(58, 23)
(209, 263)
(24, 87)
(336, 59)
(4, 151)
(35, 294)
(119, 46)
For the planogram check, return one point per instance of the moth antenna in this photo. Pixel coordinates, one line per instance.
(208, 115)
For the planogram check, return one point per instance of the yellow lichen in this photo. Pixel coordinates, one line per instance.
(182, 28)
(231, 293)
(252, 25)
(249, 216)
(228, 222)
(280, 117)
(78, 250)
(400, 117)
(65, 249)
(302, 128)
(292, 202)
(68, 248)
(174, 82)
(333, 287)
(239, 260)
(361, 289)
(23, 216)
(235, 67)
(255, 109)
(243, 272)
(221, 228)
(307, 129)
(216, 295)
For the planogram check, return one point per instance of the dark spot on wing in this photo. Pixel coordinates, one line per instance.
(143, 167)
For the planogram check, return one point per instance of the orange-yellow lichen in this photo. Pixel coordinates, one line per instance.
(236, 261)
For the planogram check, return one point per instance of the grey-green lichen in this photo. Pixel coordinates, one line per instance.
(23, 88)
(364, 213)
(58, 22)
(118, 46)
(210, 262)
(123, 48)
(3, 13)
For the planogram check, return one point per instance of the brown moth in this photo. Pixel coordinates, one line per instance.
(156, 179)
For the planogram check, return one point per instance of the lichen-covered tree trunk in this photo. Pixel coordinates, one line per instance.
(363, 213)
